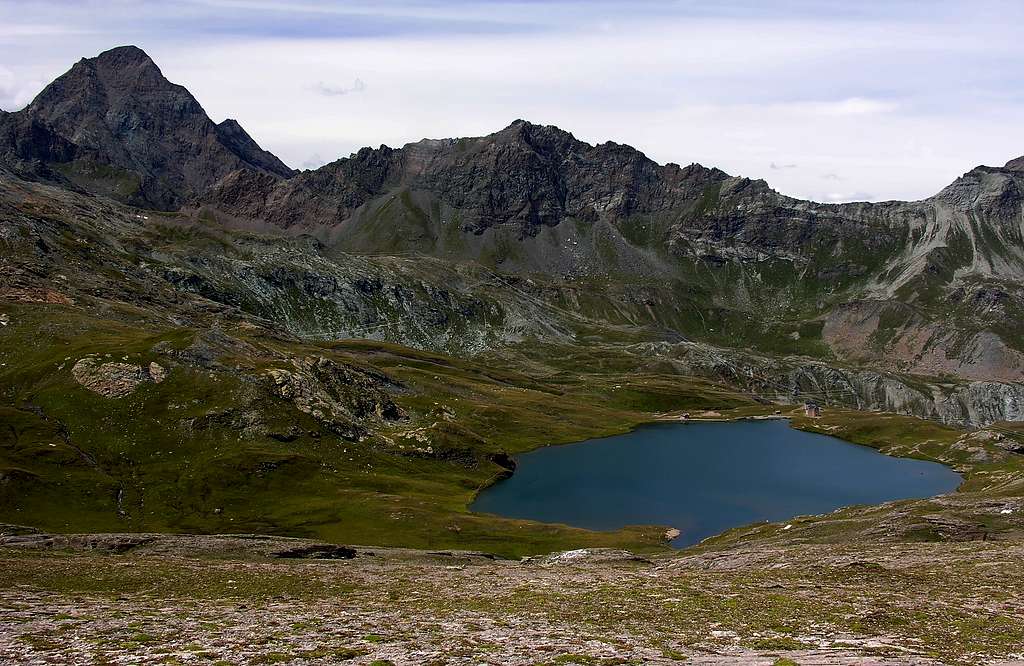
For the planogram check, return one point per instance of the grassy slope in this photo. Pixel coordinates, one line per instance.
(67, 454)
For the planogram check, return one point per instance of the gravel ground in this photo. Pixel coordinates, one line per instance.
(159, 603)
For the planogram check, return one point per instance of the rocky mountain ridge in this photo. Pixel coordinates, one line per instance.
(933, 285)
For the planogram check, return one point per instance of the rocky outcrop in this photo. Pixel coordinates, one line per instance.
(35, 295)
(974, 442)
(587, 557)
(794, 380)
(339, 396)
(115, 379)
(317, 551)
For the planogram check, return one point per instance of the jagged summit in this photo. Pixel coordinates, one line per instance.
(124, 62)
(1016, 165)
(123, 58)
(123, 54)
(520, 129)
(132, 134)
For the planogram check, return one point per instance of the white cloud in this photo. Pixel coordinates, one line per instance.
(314, 161)
(36, 30)
(16, 92)
(840, 197)
(854, 106)
(357, 86)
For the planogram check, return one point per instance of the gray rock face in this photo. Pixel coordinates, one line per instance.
(27, 145)
(115, 126)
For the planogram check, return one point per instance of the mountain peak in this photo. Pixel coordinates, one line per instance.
(118, 110)
(1015, 165)
(519, 125)
(119, 77)
(546, 139)
(517, 122)
(128, 54)
(120, 67)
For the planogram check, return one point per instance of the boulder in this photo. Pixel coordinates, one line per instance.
(115, 380)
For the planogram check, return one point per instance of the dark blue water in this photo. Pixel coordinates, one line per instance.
(704, 478)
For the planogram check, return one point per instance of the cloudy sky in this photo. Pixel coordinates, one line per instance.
(830, 100)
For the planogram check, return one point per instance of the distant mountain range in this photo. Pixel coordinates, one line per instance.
(933, 288)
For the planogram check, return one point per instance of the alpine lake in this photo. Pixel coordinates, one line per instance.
(704, 478)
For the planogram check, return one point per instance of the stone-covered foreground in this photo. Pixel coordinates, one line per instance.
(237, 600)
